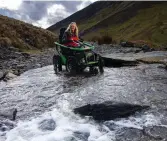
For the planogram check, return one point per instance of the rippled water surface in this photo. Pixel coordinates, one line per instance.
(45, 102)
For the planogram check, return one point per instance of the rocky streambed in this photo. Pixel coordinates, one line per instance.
(14, 62)
(122, 56)
(45, 102)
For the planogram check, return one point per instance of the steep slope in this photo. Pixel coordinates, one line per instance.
(122, 20)
(81, 15)
(24, 36)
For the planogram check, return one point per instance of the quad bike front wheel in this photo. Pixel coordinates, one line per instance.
(71, 65)
(57, 63)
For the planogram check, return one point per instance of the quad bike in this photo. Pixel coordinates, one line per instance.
(77, 59)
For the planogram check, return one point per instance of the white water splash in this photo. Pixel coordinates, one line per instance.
(67, 124)
(26, 90)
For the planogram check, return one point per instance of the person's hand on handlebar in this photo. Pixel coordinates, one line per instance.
(81, 40)
(75, 41)
(70, 40)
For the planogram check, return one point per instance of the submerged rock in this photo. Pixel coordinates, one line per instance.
(129, 134)
(9, 115)
(1, 75)
(47, 124)
(162, 66)
(10, 75)
(109, 110)
(146, 48)
(7, 120)
(82, 135)
(156, 132)
(69, 139)
(6, 125)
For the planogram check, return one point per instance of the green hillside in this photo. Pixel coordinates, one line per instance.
(149, 24)
(124, 21)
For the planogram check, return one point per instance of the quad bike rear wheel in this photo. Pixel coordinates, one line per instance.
(57, 63)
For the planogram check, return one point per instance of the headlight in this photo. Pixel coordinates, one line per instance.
(83, 60)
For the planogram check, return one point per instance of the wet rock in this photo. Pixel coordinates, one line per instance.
(47, 124)
(129, 134)
(38, 65)
(127, 44)
(3, 128)
(11, 114)
(10, 75)
(26, 55)
(18, 72)
(110, 62)
(111, 125)
(21, 66)
(163, 66)
(130, 50)
(7, 120)
(133, 134)
(3, 78)
(6, 125)
(109, 110)
(13, 59)
(83, 136)
(146, 48)
(156, 132)
(14, 114)
(18, 53)
(69, 139)
(137, 51)
(165, 48)
(2, 75)
(8, 52)
(111, 45)
(14, 49)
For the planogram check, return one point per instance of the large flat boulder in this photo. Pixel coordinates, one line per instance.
(109, 110)
(132, 59)
(154, 59)
(113, 62)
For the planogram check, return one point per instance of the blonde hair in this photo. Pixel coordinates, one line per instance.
(69, 28)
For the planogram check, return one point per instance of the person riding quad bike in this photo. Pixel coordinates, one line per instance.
(70, 37)
(74, 53)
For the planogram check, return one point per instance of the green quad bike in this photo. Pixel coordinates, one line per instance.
(77, 59)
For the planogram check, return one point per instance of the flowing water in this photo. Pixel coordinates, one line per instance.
(45, 104)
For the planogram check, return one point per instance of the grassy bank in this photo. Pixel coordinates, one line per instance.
(23, 35)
